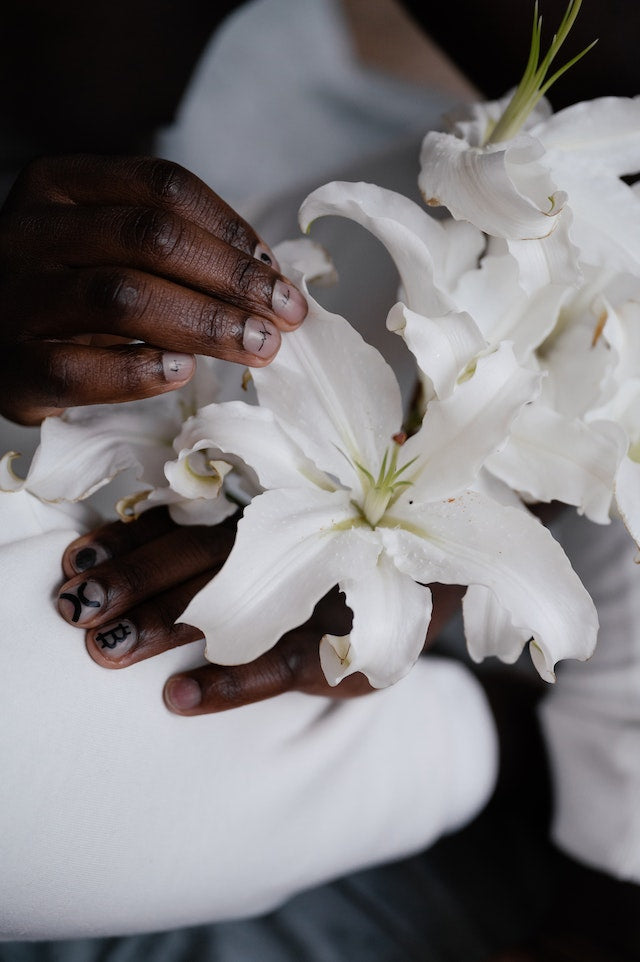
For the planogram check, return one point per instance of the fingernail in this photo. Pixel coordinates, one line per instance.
(79, 604)
(261, 338)
(88, 556)
(288, 303)
(115, 639)
(182, 694)
(178, 367)
(266, 255)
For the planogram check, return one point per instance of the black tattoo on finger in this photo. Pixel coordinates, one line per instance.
(80, 601)
(265, 334)
(110, 637)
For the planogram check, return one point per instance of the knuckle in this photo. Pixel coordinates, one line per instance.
(117, 294)
(165, 618)
(60, 377)
(154, 233)
(215, 324)
(246, 277)
(172, 185)
(229, 688)
(294, 659)
(129, 374)
(234, 231)
(288, 667)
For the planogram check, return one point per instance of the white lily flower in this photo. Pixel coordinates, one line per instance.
(452, 312)
(505, 189)
(345, 503)
(554, 193)
(429, 254)
(565, 446)
(552, 454)
(500, 188)
(589, 147)
(549, 186)
(87, 447)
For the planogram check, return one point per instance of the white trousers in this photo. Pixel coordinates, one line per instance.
(119, 817)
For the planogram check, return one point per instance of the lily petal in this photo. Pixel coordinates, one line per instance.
(420, 247)
(498, 304)
(471, 540)
(443, 345)
(459, 432)
(291, 548)
(500, 189)
(251, 435)
(195, 475)
(603, 133)
(551, 260)
(391, 614)
(345, 416)
(306, 257)
(199, 511)
(552, 458)
(606, 215)
(488, 628)
(100, 443)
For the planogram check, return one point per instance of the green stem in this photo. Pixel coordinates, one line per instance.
(534, 83)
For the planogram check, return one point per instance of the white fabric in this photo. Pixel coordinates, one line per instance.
(591, 719)
(278, 98)
(118, 817)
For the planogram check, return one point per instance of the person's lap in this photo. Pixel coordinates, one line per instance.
(119, 817)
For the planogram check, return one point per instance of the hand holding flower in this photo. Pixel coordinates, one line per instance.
(139, 249)
(142, 575)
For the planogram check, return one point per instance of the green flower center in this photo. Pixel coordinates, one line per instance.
(382, 491)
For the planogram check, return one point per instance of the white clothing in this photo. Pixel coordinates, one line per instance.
(591, 718)
(119, 817)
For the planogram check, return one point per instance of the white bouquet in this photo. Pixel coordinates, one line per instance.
(522, 310)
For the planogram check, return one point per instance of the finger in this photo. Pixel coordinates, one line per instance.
(139, 306)
(148, 629)
(159, 243)
(89, 180)
(293, 665)
(97, 597)
(112, 540)
(41, 379)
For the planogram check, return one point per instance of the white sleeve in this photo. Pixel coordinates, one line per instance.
(591, 719)
(118, 817)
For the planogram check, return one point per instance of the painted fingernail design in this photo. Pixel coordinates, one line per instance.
(79, 604)
(288, 303)
(177, 367)
(182, 694)
(88, 556)
(266, 255)
(261, 338)
(116, 639)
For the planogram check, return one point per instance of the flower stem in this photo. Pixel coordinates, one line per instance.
(534, 83)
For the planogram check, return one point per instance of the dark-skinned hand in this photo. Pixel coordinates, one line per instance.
(126, 594)
(96, 252)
